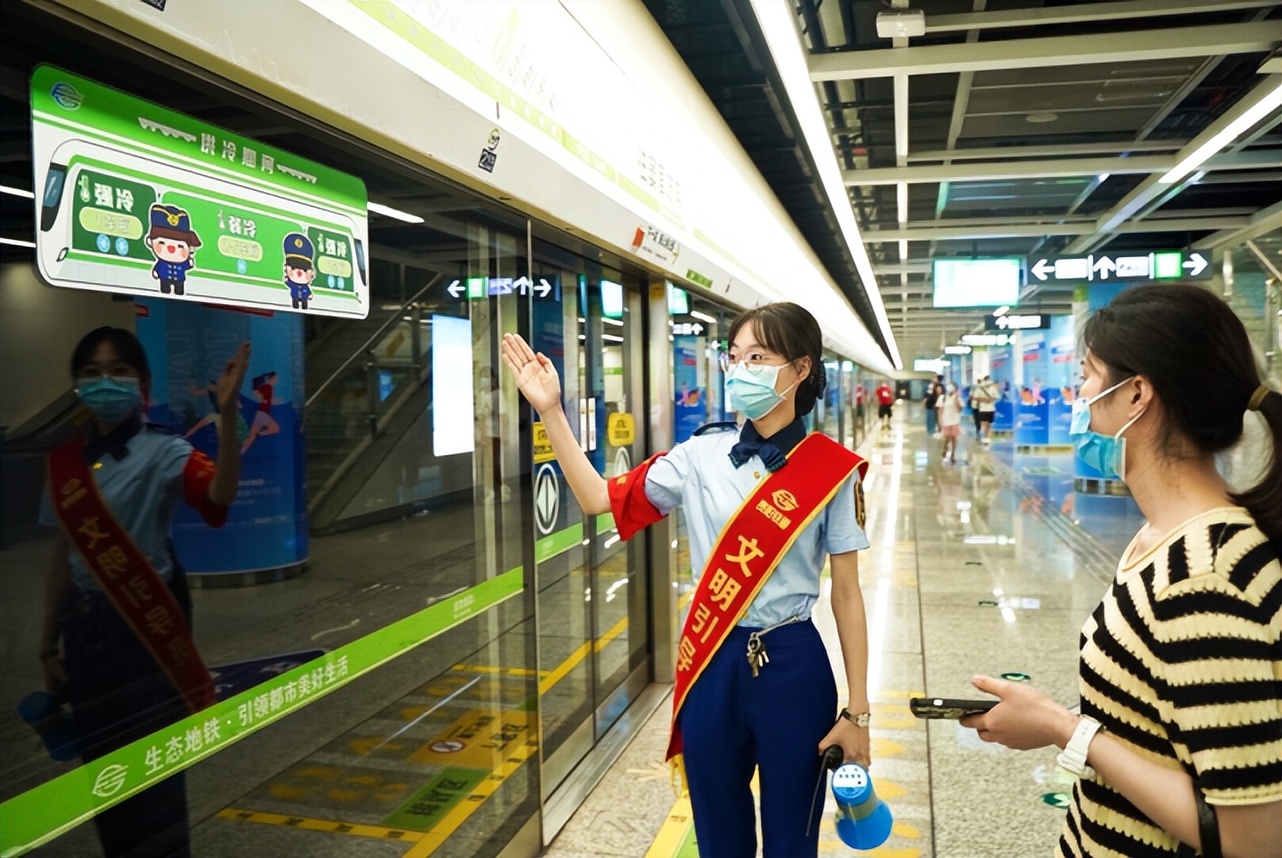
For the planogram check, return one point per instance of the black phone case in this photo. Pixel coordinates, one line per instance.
(941, 707)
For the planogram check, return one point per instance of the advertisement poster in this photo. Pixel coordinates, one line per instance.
(1062, 378)
(691, 410)
(134, 198)
(1032, 402)
(1003, 373)
(188, 345)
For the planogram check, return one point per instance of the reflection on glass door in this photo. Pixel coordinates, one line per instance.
(593, 604)
(561, 556)
(620, 600)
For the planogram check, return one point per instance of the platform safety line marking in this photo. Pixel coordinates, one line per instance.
(328, 826)
(464, 808)
(503, 671)
(672, 833)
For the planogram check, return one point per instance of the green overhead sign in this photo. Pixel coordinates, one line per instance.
(134, 198)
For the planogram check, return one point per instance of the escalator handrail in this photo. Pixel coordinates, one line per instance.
(365, 346)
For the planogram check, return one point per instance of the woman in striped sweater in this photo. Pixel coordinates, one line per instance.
(1178, 748)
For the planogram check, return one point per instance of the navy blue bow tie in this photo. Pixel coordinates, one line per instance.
(773, 451)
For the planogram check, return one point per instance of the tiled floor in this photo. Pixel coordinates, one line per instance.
(987, 566)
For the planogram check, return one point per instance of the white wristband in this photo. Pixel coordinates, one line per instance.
(1073, 757)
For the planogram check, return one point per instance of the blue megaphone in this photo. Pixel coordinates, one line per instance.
(863, 821)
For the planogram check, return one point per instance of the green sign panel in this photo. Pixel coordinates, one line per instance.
(429, 805)
(132, 197)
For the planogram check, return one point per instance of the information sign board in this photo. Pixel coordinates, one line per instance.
(134, 198)
(1124, 266)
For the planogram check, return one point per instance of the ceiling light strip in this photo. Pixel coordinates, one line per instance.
(780, 32)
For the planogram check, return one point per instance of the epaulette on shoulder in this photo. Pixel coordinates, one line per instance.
(721, 426)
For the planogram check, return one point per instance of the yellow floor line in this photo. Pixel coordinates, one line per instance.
(329, 826)
(673, 831)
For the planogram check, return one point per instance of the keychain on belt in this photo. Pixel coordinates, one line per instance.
(757, 657)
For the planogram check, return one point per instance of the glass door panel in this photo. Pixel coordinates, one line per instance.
(561, 555)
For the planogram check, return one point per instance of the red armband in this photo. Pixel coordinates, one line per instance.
(632, 509)
(198, 476)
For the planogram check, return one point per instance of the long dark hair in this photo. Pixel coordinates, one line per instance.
(788, 329)
(1197, 354)
(125, 344)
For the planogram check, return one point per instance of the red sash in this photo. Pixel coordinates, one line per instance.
(750, 546)
(125, 574)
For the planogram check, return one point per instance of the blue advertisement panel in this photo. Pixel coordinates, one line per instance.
(1003, 373)
(188, 344)
(1061, 384)
(1033, 410)
(691, 411)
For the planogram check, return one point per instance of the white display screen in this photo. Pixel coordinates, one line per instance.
(451, 386)
(611, 299)
(977, 282)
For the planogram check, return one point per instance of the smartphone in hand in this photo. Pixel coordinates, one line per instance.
(942, 707)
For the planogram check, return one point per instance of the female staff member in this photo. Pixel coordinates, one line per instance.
(765, 504)
(1179, 740)
(116, 640)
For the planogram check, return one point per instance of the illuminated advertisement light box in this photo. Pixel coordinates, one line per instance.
(134, 198)
(993, 282)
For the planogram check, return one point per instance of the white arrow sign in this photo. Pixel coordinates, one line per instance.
(544, 288)
(455, 288)
(1197, 263)
(1003, 322)
(522, 285)
(1104, 267)
(1042, 268)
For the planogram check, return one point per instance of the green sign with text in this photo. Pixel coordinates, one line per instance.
(134, 198)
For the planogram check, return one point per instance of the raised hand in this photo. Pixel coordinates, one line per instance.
(233, 376)
(535, 375)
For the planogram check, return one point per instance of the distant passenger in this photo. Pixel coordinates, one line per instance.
(116, 638)
(1180, 734)
(885, 404)
(930, 402)
(985, 397)
(765, 504)
(950, 417)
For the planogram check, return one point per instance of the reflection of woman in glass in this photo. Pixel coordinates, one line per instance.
(116, 641)
(264, 423)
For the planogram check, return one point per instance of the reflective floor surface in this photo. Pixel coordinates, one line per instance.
(990, 566)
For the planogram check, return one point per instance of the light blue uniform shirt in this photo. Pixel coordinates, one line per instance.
(143, 491)
(698, 476)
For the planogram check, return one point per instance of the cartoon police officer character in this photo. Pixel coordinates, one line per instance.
(173, 243)
(300, 270)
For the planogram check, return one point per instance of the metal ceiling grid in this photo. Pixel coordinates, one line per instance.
(1010, 128)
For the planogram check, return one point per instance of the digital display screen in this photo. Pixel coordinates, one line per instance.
(993, 282)
(678, 301)
(611, 299)
(452, 386)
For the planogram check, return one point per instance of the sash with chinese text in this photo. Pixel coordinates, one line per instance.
(748, 549)
(125, 574)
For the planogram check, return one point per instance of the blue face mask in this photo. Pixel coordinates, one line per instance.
(1104, 453)
(752, 390)
(111, 398)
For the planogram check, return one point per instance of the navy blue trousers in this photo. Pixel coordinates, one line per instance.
(732, 724)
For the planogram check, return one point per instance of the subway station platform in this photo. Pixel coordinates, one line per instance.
(978, 567)
(989, 565)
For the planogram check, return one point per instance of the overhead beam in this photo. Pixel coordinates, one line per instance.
(926, 232)
(1086, 12)
(987, 152)
(1147, 193)
(1163, 44)
(1263, 221)
(1264, 159)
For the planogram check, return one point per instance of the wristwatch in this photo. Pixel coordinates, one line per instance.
(859, 720)
(1073, 757)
